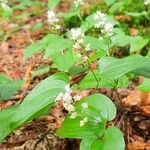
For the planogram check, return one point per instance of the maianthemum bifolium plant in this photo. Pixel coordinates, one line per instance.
(73, 46)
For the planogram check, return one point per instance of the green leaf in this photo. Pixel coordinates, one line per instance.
(57, 44)
(113, 139)
(69, 15)
(137, 43)
(98, 54)
(120, 40)
(40, 98)
(8, 87)
(89, 81)
(137, 14)
(33, 48)
(52, 4)
(5, 10)
(87, 143)
(100, 110)
(64, 61)
(96, 44)
(40, 71)
(36, 47)
(114, 68)
(110, 2)
(145, 86)
(5, 117)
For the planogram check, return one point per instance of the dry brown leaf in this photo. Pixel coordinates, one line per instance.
(141, 99)
(4, 47)
(137, 145)
(123, 18)
(133, 31)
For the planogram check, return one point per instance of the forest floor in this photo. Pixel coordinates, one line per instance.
(133, 119)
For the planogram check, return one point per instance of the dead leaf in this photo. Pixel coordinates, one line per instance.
(141, 99)
(134, 31)
(123, 18)
(137, 145)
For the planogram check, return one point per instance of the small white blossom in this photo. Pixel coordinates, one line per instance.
(70, 108)
(57, 27)
(82, 122)
(85, 119)
(76, 34)
(100, 38)
(85, 58)
(5, 6)
(68, 89)
(78, 3)
(67, 97)
(146, 2)
(84, 105)
(77, 97)
(73, 115)
(76, 45)
(59, 97)
(52, 18)
(108, 28)
(103, 24)
(100, 19)
(87, 47)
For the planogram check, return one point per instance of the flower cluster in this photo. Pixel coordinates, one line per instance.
(82, 122)
(77, 36)
(78, 3)
(53, 20)
(68, 100)
(4, 5)
(103, 24)
(146, 2)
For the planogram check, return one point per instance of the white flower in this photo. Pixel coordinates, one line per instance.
(68, 89)
(73, 115)
(78, 3)
(52, 18)
(67, 97)
(57, 27)
(146, 2)
(103, 24)
(5, 6)
(82, 122)
(76, 34)
(99, 16)
(70, 108)
(85, 58)
(100, 19)
(108, 28)
(77, 97)
(76, 45)
(85, 119)
(59, 97)
(84, 105)
(100, 38)
(87, 47)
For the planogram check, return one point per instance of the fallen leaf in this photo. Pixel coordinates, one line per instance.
(137, 145)
(123, 18)
(133, 31)
(141, 99)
